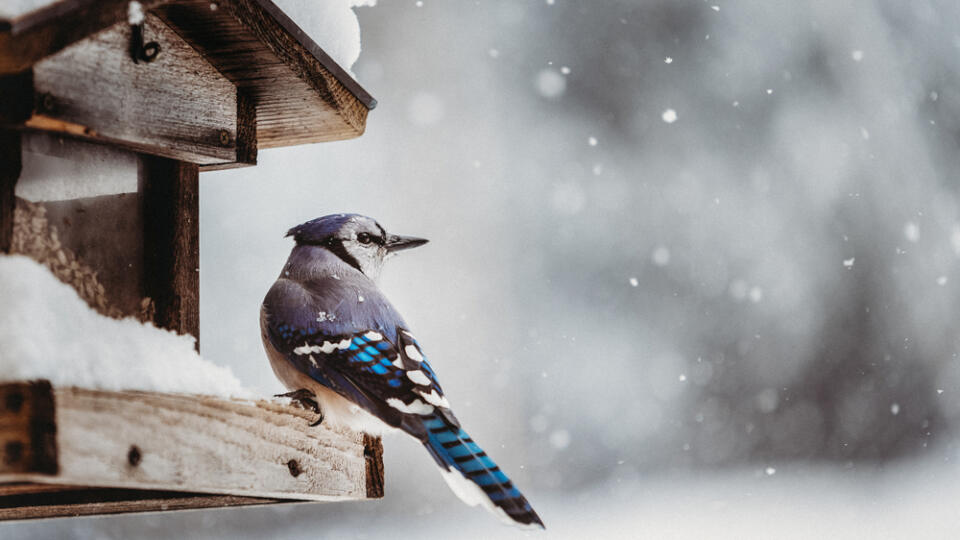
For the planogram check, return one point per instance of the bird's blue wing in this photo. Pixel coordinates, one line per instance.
(378, 365)
(365, 352)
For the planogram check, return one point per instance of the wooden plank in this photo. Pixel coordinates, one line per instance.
(69, 501)
(37, 34)
(373, 455)
(301, 95)
(246, 128)
(16, 104)
(171, 240)
(177, 106)
(271, 10)
(10, 166)
(177, 443)
(246, 135)
(27, 429)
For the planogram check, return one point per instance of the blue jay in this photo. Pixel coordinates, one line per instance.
(342, 349)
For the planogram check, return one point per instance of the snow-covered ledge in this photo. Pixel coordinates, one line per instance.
(99, 415)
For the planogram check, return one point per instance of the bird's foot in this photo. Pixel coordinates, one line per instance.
(305, 399)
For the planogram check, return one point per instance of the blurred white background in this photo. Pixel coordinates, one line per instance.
(692, 271)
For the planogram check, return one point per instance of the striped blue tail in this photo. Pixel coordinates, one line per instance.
(472, 475)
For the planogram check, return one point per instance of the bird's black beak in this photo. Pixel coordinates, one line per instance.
(399, 243)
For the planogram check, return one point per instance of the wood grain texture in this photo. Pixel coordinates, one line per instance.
(171, 242)
(373, 454)
(137, 451)
(177, 106)
(27, 429)
(300, 94)
(204, 445)
(36, 35)
(10, 167)
(299, 99)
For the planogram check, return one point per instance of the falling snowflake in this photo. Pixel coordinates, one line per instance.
(323, 316)
(911, 231)
(661, 256)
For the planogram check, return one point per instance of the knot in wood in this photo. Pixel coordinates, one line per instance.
(294, 468)
(134, 456)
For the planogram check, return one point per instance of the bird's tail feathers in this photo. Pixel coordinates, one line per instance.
(473, 476)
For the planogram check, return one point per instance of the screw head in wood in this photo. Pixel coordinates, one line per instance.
(224, 137)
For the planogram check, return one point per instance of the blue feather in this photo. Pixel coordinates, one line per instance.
(453, 448)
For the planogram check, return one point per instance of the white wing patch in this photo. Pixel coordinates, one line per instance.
(373, 336)
(326, 348)
(418, 377)
(413, 353)
(416, 407)
(434, 398)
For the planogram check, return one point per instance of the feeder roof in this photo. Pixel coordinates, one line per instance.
(300, 93)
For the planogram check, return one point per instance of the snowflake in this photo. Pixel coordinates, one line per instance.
(324, 316)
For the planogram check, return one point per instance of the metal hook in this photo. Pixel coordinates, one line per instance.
(138, 50)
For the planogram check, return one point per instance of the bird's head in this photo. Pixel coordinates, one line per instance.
(357, 240)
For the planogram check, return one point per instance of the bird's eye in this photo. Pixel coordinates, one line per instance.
(364, 238)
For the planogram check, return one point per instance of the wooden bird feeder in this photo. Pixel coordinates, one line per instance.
(104, 128)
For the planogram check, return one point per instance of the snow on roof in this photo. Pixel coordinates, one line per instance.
(332, 24)
(48, 332)
(11, 9)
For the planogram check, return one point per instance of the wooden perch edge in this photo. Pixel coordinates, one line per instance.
(69, 451)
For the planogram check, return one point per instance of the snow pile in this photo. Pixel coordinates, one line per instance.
(57, 169)
(332, 24)
(48, 332)
(11, 9)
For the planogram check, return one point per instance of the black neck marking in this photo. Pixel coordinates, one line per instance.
(335, 245)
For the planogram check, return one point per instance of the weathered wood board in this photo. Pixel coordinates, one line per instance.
(37, 34)
(301, 95)
(177, 106)
(171, 242)
(107, 443)
(295, 93)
